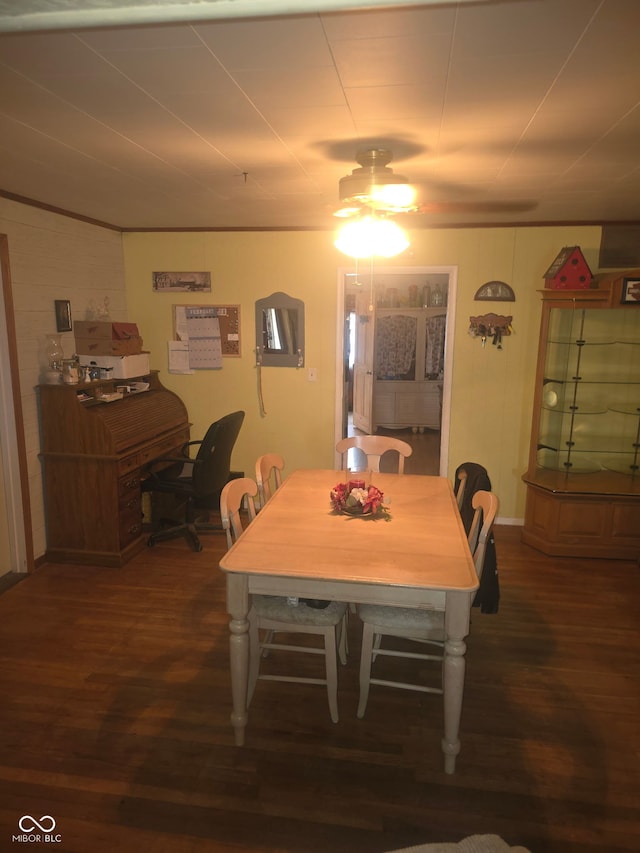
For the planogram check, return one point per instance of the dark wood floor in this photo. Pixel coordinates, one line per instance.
(115, 720)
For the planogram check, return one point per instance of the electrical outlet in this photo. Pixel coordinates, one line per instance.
(312, 374)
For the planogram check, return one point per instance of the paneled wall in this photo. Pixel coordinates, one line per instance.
(53, 257)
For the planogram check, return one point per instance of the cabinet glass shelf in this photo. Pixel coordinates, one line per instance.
(589, 442)
(585, 407)
(556, 461)
(593, 380)
(593, 342)
(625, 408)
(622, 464)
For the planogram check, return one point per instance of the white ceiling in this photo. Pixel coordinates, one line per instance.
(505, 110)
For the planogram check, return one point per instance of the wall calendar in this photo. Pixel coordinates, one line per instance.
(200, 323)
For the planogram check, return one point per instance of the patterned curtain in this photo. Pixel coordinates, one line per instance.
(434, 355)
(395, 346)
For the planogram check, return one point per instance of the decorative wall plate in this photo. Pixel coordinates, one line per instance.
(495, 291)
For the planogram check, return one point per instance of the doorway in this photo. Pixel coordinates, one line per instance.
(16, 551)
(405, 391)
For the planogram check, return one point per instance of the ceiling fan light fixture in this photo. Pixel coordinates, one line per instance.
(370, 236)
(345, 212)
(376, 186)
(394, 196)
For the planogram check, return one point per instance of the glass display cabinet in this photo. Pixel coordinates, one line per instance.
(583, 479)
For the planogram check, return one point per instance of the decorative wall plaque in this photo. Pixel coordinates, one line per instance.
(495, 291)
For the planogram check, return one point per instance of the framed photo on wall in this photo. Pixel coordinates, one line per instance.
(63, 315)
(170, 282)
(630, 291)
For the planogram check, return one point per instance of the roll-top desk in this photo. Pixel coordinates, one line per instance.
(93, 456)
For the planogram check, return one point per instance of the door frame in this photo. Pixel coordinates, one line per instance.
(452, 272)
(363, 380)
(12, 443)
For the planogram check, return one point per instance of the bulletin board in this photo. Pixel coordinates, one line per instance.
(229, 320)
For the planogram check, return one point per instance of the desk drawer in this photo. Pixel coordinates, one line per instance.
(128, 463)
(130, 526)
(130, 502)
(168, 446)
(129, 508)
(128, 484)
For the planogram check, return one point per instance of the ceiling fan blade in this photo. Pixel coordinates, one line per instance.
(476, 206)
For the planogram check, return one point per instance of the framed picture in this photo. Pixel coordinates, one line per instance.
(170, 282)
(63, 315)
(630, 291)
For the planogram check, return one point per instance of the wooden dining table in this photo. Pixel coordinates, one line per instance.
(298, 546)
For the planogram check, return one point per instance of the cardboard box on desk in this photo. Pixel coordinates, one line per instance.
(101, 338)
(123, 366)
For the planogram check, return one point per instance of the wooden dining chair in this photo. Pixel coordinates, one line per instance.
(242, 490)
(460, 485)
(270, 615)
(269, 469)
(470, 477)
(420, 626)
(374, 447)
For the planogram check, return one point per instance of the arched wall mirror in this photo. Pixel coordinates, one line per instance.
(280, 331)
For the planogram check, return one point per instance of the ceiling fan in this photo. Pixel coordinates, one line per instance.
(375, 188)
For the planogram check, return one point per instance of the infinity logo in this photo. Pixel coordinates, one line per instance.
(45, 824)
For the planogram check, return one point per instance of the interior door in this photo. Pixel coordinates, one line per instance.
(363, 364)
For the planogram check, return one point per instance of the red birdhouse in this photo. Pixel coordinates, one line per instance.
(569, 271)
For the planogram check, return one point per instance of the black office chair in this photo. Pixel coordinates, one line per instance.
(198, 481)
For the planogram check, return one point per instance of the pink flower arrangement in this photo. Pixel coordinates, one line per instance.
(355, 498)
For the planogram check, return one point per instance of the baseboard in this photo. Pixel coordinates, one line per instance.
(11, 579)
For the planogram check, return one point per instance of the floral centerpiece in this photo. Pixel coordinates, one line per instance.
(356, 498)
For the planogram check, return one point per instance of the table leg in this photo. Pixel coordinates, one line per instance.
(456, 629)
(238, 608)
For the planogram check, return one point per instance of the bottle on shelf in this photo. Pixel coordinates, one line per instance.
(54, 355)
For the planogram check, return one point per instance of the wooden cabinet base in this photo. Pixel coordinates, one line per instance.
(109, 559)
(577, 525)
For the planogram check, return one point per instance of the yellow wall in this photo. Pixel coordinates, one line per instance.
(492, 389)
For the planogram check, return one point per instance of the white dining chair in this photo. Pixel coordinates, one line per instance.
(270, 615)
(269, 469)
(419, 626)
(461, 484)
(236, 493)
(374, 447)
